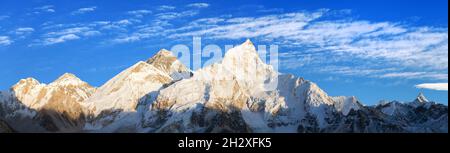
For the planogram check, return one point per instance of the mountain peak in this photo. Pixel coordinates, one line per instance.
(421, 98)
(27, 81)
(68, 79)
(163, 56)
(248, 42)
(68, 75)
(243, 56)
(164, 52)
(165, 61)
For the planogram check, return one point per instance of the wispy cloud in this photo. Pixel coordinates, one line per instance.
(165, 8)
(355, 71)
(369, 71)
(416, 75)
(143, 32)
(271, 10)
(139, 13)
(433, 86)
(60, 39)
(5, 41)
(198, 5)
(66, 34)
(248, 27)
(44, 9)
(120, 25)
(76, 30)
(174, 15)
(24, 30)
(84, 10)
(124, 22)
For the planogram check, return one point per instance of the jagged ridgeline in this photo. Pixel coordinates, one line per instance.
(163, 95)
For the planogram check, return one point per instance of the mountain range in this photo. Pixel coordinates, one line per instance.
(162, 95)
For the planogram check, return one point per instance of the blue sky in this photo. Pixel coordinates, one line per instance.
(378, 50)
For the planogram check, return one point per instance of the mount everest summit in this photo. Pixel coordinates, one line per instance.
(163, 95)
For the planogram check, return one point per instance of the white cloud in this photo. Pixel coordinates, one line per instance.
(433, 86)
(198, 5)
(355, 70)
(5, 41)
(46, 8)
(416, 75)
(166, 7)
(368, 71)
(66, 34)
(174, 15)
(248, 27)
(139, 13)
(143, 32)
(84, 10)
(75, 30)
(208, 21)
(272, 10)
(24, 30)
(91, 33)
(60, 39)
(124, 22)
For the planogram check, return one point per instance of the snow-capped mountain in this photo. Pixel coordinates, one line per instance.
(241, 93)
(55, 107)
(114, 105)
(232, 96)
(418, 115)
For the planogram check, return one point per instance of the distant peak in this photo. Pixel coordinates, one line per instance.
(25, 84)
(29, 80)
(162, 56)
(247, 46)
(164, 52)
(68, 79)
(248, 42)
(421, 98)
(68, 75)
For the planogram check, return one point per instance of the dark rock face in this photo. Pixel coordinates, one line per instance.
(5, 128)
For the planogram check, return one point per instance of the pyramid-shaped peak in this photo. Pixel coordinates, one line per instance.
(164, 52)
(245, 51)
(68, 75)
(421, 98)
(162, 56)
(68, 79)
(248, 42)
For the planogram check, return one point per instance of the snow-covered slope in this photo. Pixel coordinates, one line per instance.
(55, 107)
(114, 106)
